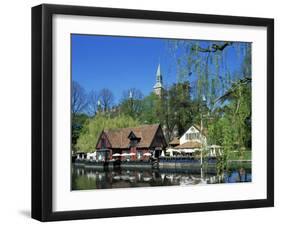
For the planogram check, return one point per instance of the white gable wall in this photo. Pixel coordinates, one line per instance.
(187, 137)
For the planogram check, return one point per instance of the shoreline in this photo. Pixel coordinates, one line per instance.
(186, 165)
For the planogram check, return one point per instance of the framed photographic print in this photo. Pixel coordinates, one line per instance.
(145, 112)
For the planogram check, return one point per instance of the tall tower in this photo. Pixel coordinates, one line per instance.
(158, 87)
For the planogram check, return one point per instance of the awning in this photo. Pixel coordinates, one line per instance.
(188, 150)
(173, 150)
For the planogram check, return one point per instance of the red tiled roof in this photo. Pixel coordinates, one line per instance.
(175, 141)
(118, 138)
(189, 145)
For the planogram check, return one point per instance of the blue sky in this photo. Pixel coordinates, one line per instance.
(120, 63)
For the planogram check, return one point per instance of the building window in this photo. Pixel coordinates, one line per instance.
(188, 136)
(192, 136)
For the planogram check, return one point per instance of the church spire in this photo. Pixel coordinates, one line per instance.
(158, 75)
(158, 87)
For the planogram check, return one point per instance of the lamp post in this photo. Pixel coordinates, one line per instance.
(201, 129)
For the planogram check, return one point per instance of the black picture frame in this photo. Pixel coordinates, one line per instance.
(42, 111)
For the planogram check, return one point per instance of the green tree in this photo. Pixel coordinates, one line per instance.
(178, 114)
(132, 103)
(149, 113)
(88, 139)
(205, 64)
(239, 109)
(78, 122)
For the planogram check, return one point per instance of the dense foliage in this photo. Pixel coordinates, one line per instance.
(207, 92)
(93, 127)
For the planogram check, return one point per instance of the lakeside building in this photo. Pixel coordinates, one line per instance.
(192, 140)
(138, 143)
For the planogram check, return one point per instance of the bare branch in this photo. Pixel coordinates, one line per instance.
(78, 98)
(93, 98)
(106, 99)
(213, 48)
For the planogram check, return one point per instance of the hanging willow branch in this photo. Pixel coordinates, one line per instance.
(234, 89)
(211, 49)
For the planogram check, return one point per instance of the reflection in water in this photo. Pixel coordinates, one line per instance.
(83, 178)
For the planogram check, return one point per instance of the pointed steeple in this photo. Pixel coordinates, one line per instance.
(158, 74)
(158, 85)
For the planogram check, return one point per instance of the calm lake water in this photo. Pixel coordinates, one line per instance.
(84, 178)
